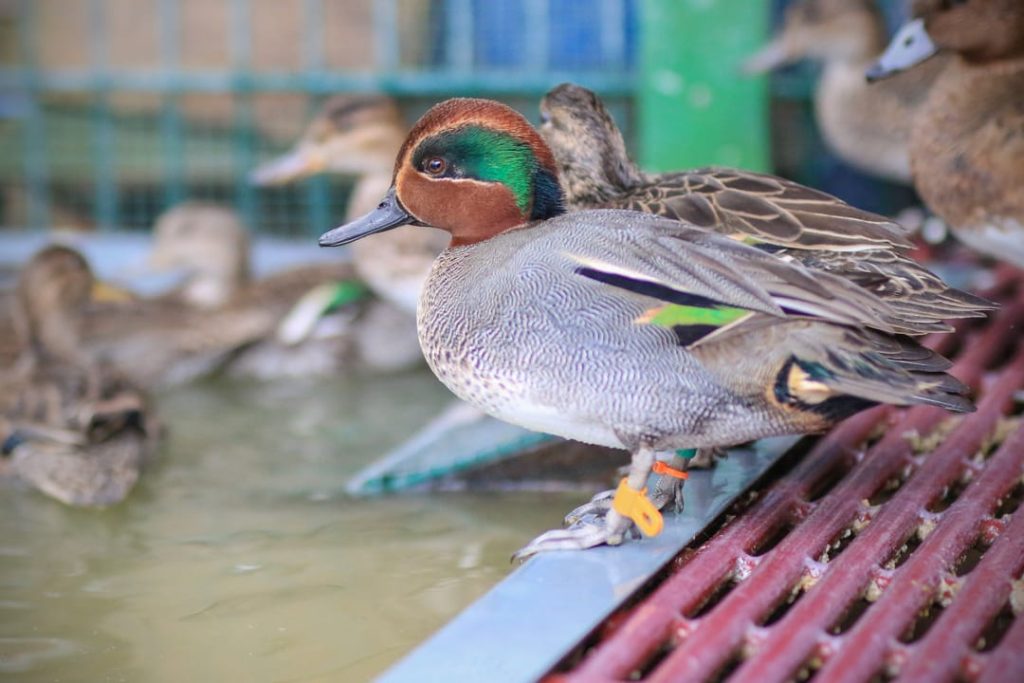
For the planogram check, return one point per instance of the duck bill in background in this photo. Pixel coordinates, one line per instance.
(388, 214)
(771, 56)
(910, 46)
(301, 162)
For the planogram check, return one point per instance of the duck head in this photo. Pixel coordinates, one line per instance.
(592, 161)
(826, 30)
(980, 31)
(51, 294)
(472, 167)
(207, 242)
(351, 134)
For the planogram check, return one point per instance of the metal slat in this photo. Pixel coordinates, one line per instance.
(985, 590)
(613, 35)
(386, 51)
(538, 33)
(104, 163)
(861, 649)
(458, 44)
(34, 158)
(317, 187)
(171, 127)
(243, 147)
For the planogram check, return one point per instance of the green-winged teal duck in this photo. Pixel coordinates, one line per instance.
(70, 426)
(867, 125)
(626, 329)
(967, 142)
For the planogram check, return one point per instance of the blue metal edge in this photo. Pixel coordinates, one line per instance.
(526, 624)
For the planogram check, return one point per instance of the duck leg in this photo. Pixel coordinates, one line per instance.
(606, 524)
(706, 458)
(668, 488)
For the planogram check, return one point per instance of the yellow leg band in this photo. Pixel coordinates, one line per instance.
(635, 505)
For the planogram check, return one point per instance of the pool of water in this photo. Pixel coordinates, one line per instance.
(239, 557)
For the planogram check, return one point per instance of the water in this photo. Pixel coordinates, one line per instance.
(238, 557)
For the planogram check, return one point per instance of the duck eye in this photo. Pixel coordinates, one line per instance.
(435, 166)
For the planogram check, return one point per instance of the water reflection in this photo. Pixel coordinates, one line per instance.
(239, 557)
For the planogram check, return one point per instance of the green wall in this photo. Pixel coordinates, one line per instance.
(695, 108)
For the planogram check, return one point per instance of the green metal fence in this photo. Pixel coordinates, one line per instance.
(72, 154)
(108, 116)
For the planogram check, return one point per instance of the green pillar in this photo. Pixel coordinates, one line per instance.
(695, 107)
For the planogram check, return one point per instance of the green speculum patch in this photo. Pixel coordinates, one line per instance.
(675, 314)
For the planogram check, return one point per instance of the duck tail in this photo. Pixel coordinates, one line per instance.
(856, 368)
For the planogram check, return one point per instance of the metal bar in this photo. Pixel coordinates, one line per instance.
(787, 565)
(1006, 663)
(537, 26)
(401, 83)
(242, 87)
(104, 142)
(317, 187)
(613, 32)
(866, 644)
(985, 589)
(313, 35)
(171, 127)
(386, 51)
(458, 43)
(34, 150)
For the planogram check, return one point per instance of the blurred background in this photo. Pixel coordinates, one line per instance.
(113, 110)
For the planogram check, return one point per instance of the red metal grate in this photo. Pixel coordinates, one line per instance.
(879, 556)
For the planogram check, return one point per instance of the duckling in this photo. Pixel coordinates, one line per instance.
(359, 135)
(70, 426)
(777, 215)
(201, 327)
(211, 245)
(626, 329)
(865, 125)
(967, 142)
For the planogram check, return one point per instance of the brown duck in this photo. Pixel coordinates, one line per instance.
(72, 427)
(967, 143)
(867, 125)
(359, 135)
(776, 215)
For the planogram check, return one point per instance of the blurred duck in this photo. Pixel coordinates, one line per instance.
(223, 319)
(70, 426)
(789, 220)
(359, 135)
(867, 126)
(629, 330)
(967, 143)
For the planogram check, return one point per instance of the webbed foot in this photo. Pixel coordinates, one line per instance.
(589, 530)
(599, 505)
